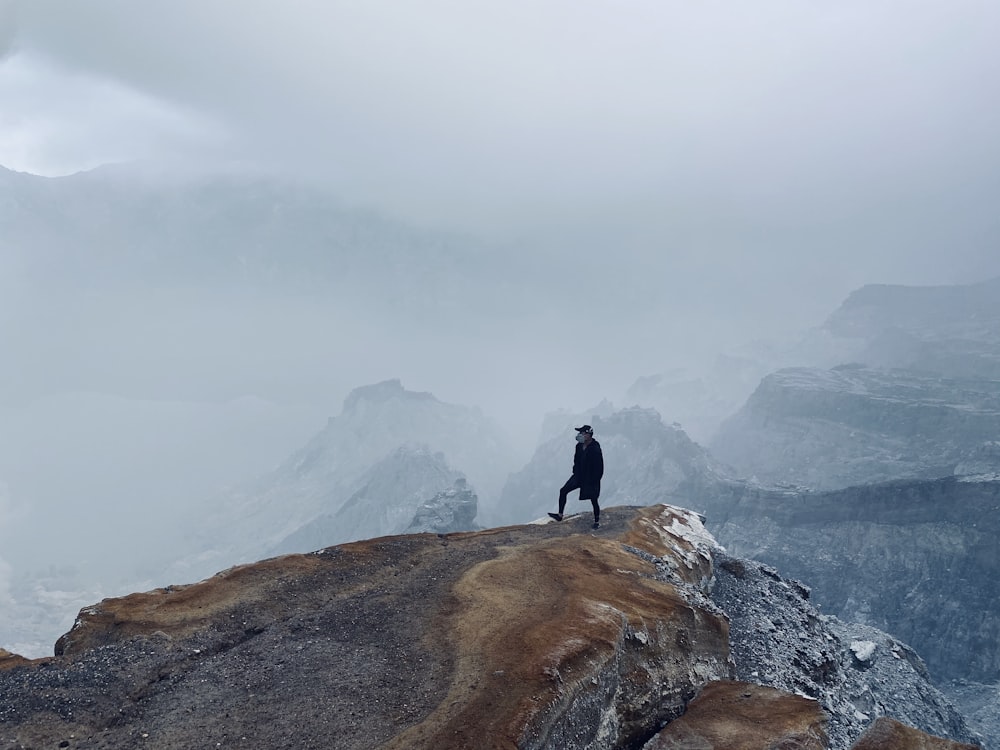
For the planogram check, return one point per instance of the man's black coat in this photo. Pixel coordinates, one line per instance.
(588, 468)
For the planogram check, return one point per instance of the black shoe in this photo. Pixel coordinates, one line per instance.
(597, 525)
(556, 516)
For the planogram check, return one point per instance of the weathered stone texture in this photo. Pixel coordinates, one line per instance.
(742, 716)
(531, 637)
(889, 734)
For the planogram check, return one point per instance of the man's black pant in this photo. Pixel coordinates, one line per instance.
(573, 483)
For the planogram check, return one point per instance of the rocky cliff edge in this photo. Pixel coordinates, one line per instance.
(536, 636)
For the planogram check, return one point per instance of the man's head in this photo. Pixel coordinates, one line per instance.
(584, 434)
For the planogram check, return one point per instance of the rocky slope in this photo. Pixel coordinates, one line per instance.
(531, 637)
(979, 704)
(826, 429)
(915, 558)
(856, 672)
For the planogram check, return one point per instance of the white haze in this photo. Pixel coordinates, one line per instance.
(669, 179)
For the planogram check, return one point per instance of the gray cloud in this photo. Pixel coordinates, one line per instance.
(547, 107)
(8, 26)
(5, 568)
(830, 145)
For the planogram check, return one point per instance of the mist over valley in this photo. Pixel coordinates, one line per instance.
(302, 320)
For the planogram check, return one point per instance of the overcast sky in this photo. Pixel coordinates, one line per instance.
(761, 158)
(492, 112)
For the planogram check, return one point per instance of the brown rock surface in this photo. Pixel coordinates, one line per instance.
(9, 660)
(889, 734)
(740, 716)
(531, 637)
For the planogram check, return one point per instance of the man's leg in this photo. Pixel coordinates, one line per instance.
(571, 484)
(597, 510)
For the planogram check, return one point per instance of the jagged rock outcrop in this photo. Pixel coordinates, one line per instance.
(644, 459)
(391, 493)
(537, 636)
(948, 330)
(340, 465)
(448, 511)
(917, 558)
(827, 429)
(979, 704)
(857, 673)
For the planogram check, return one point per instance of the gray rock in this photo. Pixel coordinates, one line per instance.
(450, 510)
(917, 559)
(335, 471)
(827, 429)
(947, 330)
(856, 672)
(391, 492)
(979, 703)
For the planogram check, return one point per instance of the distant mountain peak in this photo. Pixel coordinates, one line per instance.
(383, 392)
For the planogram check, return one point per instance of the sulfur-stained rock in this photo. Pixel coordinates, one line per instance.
(889, 734)
(730, 715)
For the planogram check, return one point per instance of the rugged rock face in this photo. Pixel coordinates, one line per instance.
(949, 330)
(827, 429)
(447, 512)
(339, 466)
(917, 559)
(391, 493)
(538, 636)
(979, 704)
(855, 672)
(644, 459)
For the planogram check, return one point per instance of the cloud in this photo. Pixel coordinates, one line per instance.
(56, 122)
(556, 104)
(834, 145)
(6, 572)
(8, 26)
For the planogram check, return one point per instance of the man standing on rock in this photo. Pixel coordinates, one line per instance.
(588, 468)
